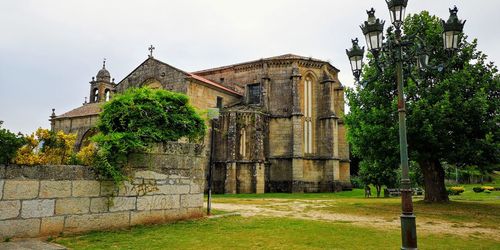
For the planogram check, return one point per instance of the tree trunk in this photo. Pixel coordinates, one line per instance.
(435, 190)
(378, 187)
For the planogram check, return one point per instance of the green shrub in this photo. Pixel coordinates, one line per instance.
(477, 189)
(136, 120)
(455, 190)
(356, 182)
(9, 144)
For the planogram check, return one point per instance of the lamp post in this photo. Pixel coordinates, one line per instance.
(373, 31)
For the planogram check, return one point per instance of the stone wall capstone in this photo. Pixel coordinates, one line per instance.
(165, 185)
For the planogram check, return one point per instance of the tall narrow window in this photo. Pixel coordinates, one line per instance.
(254, 94)
(243, 142)
(219, 102)
(107, 94)
(96, 95)
(308, 116)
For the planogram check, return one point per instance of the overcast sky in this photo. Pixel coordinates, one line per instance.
(49, 50)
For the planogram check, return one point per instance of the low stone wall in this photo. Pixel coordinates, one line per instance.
(47, 200)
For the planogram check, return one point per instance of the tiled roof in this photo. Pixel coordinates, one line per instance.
(202, 79)
(281, 57)
(85, 110)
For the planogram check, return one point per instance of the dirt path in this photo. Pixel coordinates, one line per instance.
(308, 210)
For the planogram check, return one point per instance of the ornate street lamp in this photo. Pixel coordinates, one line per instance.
(399, 50)
(355, 55)
(452, 30)
(422, 61)
(373, 29)
(397, 9)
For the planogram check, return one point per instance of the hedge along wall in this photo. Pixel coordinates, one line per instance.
(166, 185)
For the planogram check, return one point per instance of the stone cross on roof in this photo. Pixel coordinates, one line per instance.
(151, 48)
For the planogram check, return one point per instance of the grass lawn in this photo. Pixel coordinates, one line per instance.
(468, 210)
(263, 233)
(469, 207)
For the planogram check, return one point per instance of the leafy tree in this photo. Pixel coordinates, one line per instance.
(452, 114)
(9, 144)
(136, 120)
(377, 174)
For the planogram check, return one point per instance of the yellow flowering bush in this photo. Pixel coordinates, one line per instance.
(86, 155)
(487, 188)
(456, 190)
(46, 147)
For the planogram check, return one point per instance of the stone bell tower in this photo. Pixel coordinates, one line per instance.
(102, 87)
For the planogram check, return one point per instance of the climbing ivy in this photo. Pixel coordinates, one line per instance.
(134, 121)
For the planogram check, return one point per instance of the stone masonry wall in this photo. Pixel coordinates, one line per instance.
(48, 200)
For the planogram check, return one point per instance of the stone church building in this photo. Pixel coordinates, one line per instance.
(280, 127)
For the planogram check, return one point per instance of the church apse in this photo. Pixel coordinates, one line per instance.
(297, 101)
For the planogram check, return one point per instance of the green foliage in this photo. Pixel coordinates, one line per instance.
(415, 174)
(452, 115)
(377, 174)
(10, 143)
(477, 189)
(136, 120)
(357, 182)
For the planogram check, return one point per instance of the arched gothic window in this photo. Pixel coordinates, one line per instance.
(107, 94)
(308, 115)
(243, 142)
(96, 95)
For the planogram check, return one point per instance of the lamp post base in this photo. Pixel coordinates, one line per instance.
(408, 231)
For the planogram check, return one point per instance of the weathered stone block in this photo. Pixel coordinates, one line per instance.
(195, 188)
(52, 225)
(127, 189)
(156, 202)
(9, 209)
(86, 188)
(108, 188)
(150, 175)
(2, 172)
(37, 208)
(72, 206)
(20, 189)
(1, 188)
(192, 200)
(21, 172)
(55, 189)
(20, 228)
(80, 223)
(147, 217)
(138, 181)
(99, 205)
(122, 204)
(172, 189)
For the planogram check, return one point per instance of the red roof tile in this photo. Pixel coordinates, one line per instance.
(202, 79)
(85, 110)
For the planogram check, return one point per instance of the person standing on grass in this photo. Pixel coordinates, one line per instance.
(368, 191)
